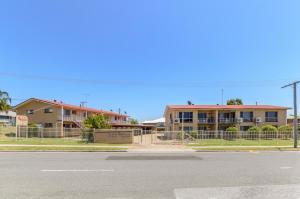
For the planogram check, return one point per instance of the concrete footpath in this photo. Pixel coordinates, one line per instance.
(160, 148)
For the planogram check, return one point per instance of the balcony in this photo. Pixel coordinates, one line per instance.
(209, 120)
(271, 119)
(74, 118)
(248, 119)
(227, 120)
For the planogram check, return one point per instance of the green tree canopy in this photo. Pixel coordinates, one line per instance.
(97, 122)
(5, 101)
(134, 121)
(236, 101)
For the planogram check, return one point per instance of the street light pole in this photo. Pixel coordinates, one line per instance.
(294, 84)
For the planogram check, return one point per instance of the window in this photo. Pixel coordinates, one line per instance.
(30, 112)
(247, 116)
(202, 115)
(4, 117)
(48, 125)
(67, 112)
(187, 117)
(48, 110)
(271, 116)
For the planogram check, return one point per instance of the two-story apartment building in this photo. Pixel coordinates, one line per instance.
(48, 114)
(7, 118)
(220, 117)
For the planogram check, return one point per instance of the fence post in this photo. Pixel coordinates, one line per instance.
(16, 136)
(141, 136)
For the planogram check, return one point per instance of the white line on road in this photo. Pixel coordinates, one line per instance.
(77, 170)
(286, 167)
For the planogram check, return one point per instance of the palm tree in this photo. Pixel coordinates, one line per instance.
(5, 101)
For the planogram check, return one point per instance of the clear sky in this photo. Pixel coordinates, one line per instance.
(141, 55)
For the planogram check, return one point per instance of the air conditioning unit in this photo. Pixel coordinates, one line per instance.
(240, 120)
(176, 121)
(258, 120)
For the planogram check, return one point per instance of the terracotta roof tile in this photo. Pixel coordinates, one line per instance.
(74, 107)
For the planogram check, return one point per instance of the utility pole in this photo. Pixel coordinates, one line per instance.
(294, 84)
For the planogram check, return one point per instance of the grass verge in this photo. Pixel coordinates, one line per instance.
(246, 149)
(51, 141)
(242, 142)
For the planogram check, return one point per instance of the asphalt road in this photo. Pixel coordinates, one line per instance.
(128, 175)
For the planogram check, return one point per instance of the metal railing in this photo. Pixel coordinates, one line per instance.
(227, 120)
(209, 120)
(71, 118)
(271, 119)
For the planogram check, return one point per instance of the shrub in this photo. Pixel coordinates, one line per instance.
(285, 131)
(231, 132)
(254, 132)
(269, 131)
(232, 129)
(194, 134)
(88, 135)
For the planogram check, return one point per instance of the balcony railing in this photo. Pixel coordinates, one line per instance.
(71, 118)
(248, 119)
(209, 120)
(271, 119)
(227, 120)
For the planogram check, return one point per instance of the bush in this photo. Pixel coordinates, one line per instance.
(194, 134)
(232, 129)
(231, 132)
(254, 132)
(88, 135)
(285, 131)
(269, 131)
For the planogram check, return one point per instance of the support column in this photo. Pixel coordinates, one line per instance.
(216, 120)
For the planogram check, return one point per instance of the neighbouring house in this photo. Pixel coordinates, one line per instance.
(290, 120)
(159, 124)
(50, 114)
(8, 118)
(220, 117)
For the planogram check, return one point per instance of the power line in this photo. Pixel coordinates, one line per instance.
(166, 83)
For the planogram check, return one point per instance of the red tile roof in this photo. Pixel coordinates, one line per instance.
(218, 107)
(72, 107)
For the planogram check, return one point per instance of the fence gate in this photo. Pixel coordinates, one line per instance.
(159, 137)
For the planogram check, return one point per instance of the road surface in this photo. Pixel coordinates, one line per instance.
(187, 175)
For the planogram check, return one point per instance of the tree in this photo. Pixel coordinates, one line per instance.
(94, 122)
(97, 122)
(5, 101)
(134, 121)
(236, 101)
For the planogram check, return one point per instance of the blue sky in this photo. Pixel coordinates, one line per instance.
(141, 55)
